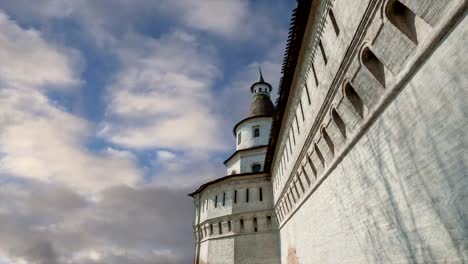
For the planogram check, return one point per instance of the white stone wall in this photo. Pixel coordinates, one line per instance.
(385, 180)
(230, 241)
(243, 161)
(246, 129)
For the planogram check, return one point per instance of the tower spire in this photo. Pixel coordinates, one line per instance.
(261, 75)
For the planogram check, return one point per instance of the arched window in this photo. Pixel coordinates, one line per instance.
(256, 167)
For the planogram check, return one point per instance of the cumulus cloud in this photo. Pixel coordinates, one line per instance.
(162, 97)
(29, 61)
(38, 139)
(125, 226)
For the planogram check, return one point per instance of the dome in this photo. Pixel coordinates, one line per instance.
(261, 106)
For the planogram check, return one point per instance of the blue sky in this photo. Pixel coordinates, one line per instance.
(112, 108)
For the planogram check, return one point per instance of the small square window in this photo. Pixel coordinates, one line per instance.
(256, 131)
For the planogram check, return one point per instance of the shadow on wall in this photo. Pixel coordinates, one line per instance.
(415, 196)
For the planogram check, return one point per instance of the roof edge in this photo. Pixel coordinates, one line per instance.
(243, 150)
(205, 185)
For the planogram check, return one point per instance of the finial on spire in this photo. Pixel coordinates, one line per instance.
(261, 75)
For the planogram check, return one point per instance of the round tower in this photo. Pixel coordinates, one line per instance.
(252, 133)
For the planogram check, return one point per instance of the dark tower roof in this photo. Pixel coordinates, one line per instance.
(261, 106)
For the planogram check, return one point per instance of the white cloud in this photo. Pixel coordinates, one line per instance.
(29, 61)
(41, 142)
(38, 140)
(162, 97)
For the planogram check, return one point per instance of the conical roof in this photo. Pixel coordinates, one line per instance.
(261, 106)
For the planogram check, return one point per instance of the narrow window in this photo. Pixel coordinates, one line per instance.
(305, 175)
(220, 228)
(260, 194)
(339, 123)
(239, 138)
(311, 164)
(403, 19)
(333, 21)
(229, 226)
(315, 76)
(255, 225)
(235, 196)
(374, 65)
(293, 135)
(302, 110)
(297, 124)
(268, 221)
(216, 201)
(307, 92)
(328, 141)
(256, 131)
(247, 195)
(224, 199)
(319, 154)
(206, 232)
(211, 229)
(323, 52)
(354, 99)
(256, 167)
(300, 183)
(242, 225)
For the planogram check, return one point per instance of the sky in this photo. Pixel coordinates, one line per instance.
(112, 111)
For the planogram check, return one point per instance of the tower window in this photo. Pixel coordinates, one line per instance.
(256, 131)
(247, 195)
(256, 167)
(211, 229)
(220, 228)
(229, 226)
(235, 196)
(239, 138)
(268, 221)
(224, 199)
(242, 225)
(255, 225)
(260, 194)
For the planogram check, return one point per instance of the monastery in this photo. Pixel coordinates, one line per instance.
(362, 157)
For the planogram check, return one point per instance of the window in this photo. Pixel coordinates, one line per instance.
(323, 52)
(242, 225)
(239, 138)
(373, 64)
(216, 201)
(339, 122)
(260, 194)
(333, 21)
(233, 172)
(268, 221)
(224, 199)
(220, 229)
(229, 226)
(211, 229)
(255, 224)
(235, 196)
(354, 99)
(256, 131)
(256, 167)
(246, 195)
(403, 18)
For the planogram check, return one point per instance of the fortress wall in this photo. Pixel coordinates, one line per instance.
(258, 249)
(378, 173)
(401, 194)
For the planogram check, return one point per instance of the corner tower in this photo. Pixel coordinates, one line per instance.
(252, 133)
(234, 218)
